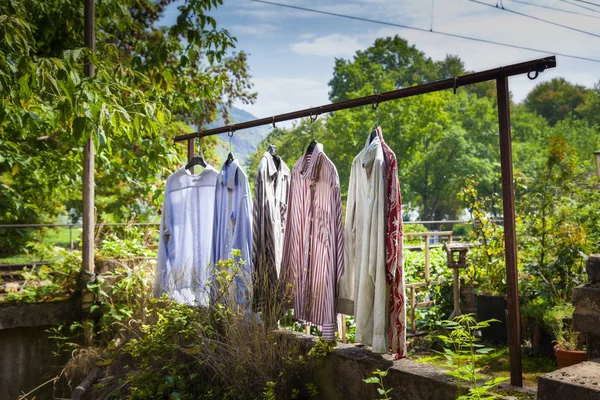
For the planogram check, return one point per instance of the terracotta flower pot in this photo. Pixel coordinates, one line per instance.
(566, 358)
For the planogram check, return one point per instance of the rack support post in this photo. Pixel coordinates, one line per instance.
(88, 222)
(510, 243)
(190, 152)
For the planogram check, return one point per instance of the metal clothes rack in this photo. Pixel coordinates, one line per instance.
(532, 68)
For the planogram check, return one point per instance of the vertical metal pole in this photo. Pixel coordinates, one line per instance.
(190, 151)
(88, 182)
(71, 237)
(510, 242)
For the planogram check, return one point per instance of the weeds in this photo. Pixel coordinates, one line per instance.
(377, 379)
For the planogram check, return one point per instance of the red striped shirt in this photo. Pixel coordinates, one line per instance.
(313, 250)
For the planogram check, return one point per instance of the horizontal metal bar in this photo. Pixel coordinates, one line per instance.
(537, 65)
(77, 225)
(428, 234)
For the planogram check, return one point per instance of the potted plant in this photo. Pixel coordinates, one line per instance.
(486, 265)
(534, 329)
(569, 349)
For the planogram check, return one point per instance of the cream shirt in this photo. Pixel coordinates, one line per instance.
(364, 282)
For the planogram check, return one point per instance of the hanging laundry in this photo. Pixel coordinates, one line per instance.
(364, 282)
(269, 212)
(313, 249)
(394, 254)
(185, 239)
(233, 227)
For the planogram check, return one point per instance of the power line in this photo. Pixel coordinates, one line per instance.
(425, 30)
(555, 9)
(580, 6)
(588, 2)
(537, 18)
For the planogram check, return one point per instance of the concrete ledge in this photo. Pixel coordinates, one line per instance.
(580, 382)
(42, 314)
(340, 376)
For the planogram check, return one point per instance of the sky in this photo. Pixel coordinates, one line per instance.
(292, 52)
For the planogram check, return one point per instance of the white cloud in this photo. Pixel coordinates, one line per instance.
(278, 95)
(258, 30)
(306, 36)
(334, 45)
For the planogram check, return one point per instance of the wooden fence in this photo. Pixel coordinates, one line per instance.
(411, 288)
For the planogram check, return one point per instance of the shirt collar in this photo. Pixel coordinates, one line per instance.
(228, 174)
(272, 167)
(370, 150)
(311, 164)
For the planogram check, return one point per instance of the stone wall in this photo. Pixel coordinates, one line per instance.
(340, 376)
(26, 352)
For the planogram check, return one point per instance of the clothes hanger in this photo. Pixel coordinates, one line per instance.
(230, 155)
(272, 149)
(197, 160)
(375, 106)
(313, 143)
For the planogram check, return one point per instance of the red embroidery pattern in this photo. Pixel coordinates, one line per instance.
(394, 254)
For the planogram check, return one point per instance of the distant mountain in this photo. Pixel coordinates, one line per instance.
(243, 143)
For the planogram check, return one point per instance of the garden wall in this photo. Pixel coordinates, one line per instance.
(26, 359)
(340, 376)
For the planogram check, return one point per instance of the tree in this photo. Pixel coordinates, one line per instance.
(151, 83)
(590, 108)
(556, 99)
(389, 58)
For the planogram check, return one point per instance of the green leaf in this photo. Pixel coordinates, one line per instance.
(372, 379)
(79, 126)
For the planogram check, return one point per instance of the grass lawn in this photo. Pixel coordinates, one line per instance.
(56, 236)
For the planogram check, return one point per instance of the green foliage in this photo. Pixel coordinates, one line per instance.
(157, 348)
(461, 355)
(377, 379)
(321, 348)
(558, 225)
(151, 83)
(486, 259)
(559, 319)
(393, 59)
(114, 247)
(556, 99)
(47, 283)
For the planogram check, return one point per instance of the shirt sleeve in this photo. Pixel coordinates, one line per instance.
(349, 239)
(258, 222)
(339, 238)
(290, 244)
(161, 282)
(242, 240)
(377, 264)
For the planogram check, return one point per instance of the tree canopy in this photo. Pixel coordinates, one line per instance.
(151, 82)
